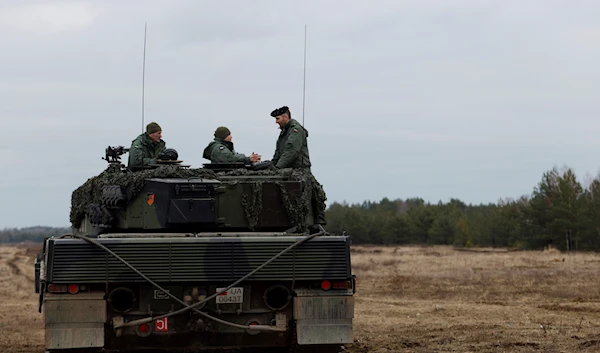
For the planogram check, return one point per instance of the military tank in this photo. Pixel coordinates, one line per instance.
(177, 258)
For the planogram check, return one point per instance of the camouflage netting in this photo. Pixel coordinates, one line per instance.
(297, 209)
(131, 184)
(90, 193)
(253, 204)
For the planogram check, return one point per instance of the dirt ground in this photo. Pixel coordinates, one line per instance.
(437, 299)
(22, 323)
(413, 299)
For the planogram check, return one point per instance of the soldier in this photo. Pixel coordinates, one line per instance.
(220, 150)
(291, 151)
(146, 147)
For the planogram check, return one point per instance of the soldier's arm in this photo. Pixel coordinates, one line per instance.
(161, 147)
(240, 157)
(276, 156)
(152, 159)
(292, 148)
(148, 161)
(136, 156)
(225, 155)
(157, 151)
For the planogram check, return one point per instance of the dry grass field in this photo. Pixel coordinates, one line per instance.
(437, 299)
(414, 299)
(22, 323)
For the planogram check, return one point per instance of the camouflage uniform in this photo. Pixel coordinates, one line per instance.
(292, 148)
(292, 152)
(144, 151)
(221, 151)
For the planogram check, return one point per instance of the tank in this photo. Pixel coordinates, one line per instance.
(176, 258)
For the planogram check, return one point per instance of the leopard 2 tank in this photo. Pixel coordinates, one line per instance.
(176, 258)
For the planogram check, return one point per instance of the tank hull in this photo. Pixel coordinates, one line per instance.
(286, 294)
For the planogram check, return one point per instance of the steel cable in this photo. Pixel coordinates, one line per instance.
(193, 306)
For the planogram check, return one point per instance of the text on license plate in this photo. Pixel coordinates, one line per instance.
(232, 295)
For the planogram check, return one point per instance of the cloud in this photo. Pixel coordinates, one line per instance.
(47, 18)
(468, 99)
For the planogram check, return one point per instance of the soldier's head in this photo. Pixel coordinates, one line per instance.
(282, 116)
(154, 131)
(223, 133)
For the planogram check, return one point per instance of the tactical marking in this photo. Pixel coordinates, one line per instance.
(158, 294)
(150, 199)
(162, 325)
(221, 147)
(295, 130)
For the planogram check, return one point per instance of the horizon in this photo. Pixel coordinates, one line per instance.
(359, 203)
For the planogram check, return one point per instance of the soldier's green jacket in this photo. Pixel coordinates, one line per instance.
(144, 151)
(292, 148)
(221, 151)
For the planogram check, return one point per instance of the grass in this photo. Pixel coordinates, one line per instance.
(438, 298)
(22, 331)
(415, 299)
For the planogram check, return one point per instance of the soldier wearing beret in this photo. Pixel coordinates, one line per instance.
(220, 150)
(146, 147)
(291, 151)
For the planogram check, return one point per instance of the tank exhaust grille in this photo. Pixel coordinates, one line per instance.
(198, 259)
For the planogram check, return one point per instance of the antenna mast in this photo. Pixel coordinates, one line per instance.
(144, 75)
(304, 84)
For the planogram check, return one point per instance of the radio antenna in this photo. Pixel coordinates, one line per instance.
(144, 75)
(304, 83)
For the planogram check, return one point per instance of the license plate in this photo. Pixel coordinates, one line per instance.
(233, 295)
(162, 325)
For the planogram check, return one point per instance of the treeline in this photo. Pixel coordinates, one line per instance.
(33, 234)
(560, 212)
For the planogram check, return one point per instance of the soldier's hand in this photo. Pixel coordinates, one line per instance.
(254, 157)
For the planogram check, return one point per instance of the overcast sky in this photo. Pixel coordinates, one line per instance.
(435, 99)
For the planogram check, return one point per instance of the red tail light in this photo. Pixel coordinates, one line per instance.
(143, 330)
(57, 288)
(342, 285)
(73, 288)
(251, 331)
(326, 285)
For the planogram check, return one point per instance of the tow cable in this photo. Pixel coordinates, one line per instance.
(195, 305)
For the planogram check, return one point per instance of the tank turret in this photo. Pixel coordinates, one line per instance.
(169, 196)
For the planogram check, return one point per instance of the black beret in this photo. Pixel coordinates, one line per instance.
(280, 111)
